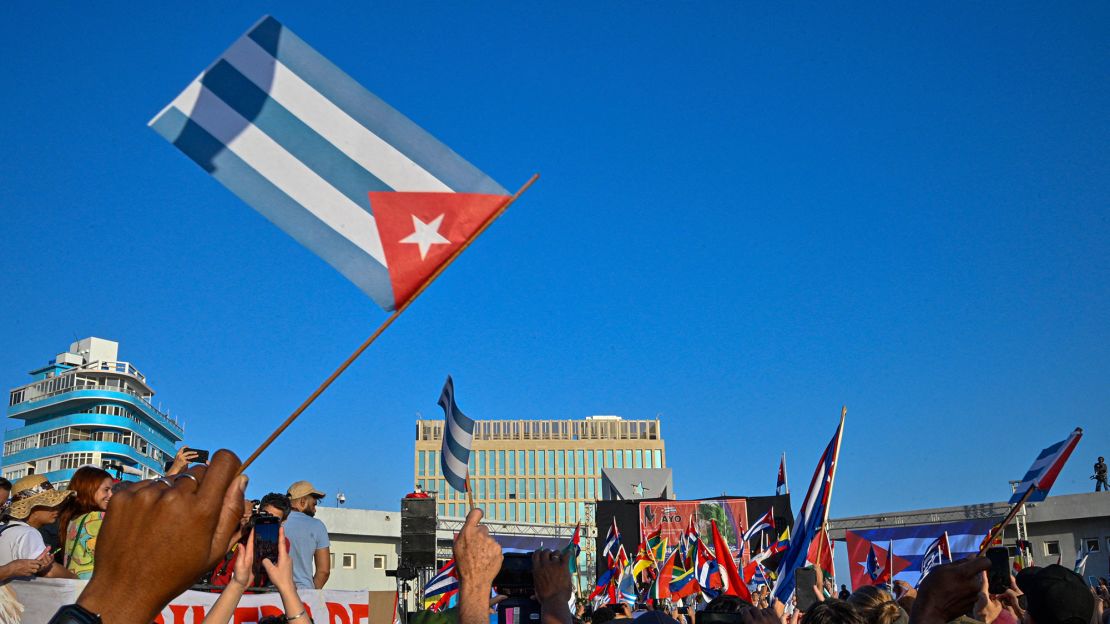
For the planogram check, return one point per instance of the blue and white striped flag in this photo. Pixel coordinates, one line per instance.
(325, 160)
(458, 438)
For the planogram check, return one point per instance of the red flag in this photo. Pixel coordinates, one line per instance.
(820, 552)
(663, 582)
(729, 574)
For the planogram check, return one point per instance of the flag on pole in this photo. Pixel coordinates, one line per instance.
(733, 584)
(657, 546)
(1080, 563)
(444, 581)
(708, 572)
(780, 485)
(573, 548)
(811, 517)
(767, 521)
(821, 552)
(872, 566)
(1042, 474)
(644, 560)
(938, 551)
(458, 438)
(612, 542)
(339, 170)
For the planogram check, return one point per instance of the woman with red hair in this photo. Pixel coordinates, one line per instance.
(81, 519)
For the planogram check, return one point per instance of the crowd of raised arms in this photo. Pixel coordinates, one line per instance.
(141, 544)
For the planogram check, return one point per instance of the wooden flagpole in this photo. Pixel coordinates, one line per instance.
(389, 321)
(1001, 527)
(469, 490)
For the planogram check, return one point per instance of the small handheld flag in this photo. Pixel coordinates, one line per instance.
(936, 553)
(1037, 482)
(733, 584)
(458, 438)
(347, 176)
(765, 522)
(339, 170)
(612, 542)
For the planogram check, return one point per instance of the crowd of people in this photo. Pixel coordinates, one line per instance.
(66, 533)
(196, 524)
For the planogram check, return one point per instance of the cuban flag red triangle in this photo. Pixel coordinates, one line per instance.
(419, 232)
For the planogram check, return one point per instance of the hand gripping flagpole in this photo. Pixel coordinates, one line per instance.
(389, 321)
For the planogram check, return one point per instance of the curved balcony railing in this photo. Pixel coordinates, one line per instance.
(70, 382)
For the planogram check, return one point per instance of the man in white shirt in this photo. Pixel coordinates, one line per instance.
(23, 553)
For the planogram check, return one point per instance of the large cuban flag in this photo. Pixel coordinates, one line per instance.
(336, 168)
(910, 544)
(811, 517)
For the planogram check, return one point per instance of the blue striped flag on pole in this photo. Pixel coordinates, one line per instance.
(458, 438)
(339, 170)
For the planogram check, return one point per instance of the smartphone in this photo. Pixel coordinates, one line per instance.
(202, 456)
(998, 577)
(804, 581)
(265, 544)
(515, 576)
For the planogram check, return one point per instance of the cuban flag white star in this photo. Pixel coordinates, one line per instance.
(425, 235)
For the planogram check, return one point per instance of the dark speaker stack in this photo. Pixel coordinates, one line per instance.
(418, 533)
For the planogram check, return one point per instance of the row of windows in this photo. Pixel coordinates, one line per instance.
(543, 513)
(350, 561)
(66, 461)
(1052, 548)
(593, 429)
(76, 434)
(569, 462)
(589, 489)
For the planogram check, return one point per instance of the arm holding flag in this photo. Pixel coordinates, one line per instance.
(478, 559)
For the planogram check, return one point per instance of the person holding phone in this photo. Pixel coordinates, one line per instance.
(183, 458)
(280, 574)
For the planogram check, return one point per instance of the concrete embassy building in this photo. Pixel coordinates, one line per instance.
(538, 471)
(87, 407)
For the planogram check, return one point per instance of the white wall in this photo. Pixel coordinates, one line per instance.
(362, 533)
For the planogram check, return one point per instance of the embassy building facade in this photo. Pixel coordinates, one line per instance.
(87, 408)
(538, 471)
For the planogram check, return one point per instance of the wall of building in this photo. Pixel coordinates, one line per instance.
(1069, 522)
(373, 538)
(539, 471)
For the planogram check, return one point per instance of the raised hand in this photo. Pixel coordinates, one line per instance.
(949, 591)
(160, 536)
(181, 461)
(478, 560)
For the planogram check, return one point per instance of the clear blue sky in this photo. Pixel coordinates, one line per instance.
(748, 216)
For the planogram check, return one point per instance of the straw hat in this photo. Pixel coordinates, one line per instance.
(34, 491)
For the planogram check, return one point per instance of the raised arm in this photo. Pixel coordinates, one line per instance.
(478, 560)
(241, 578)
(281, 575)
